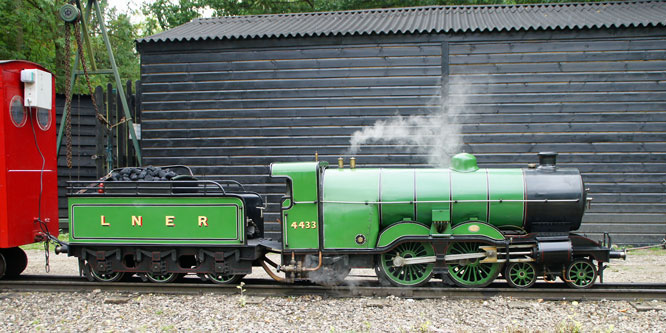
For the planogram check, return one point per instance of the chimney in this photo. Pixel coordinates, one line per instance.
(547, 159)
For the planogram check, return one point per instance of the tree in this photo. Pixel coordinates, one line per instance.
(33, 30)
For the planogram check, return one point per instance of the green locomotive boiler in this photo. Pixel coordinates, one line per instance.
(463, 224)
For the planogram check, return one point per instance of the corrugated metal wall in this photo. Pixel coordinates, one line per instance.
(600, 102)
(230, 114)
(230, 108)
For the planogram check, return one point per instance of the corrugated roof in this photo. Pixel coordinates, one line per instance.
(434, 19)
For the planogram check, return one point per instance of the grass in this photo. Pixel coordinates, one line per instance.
(653, 251)
(40, 246)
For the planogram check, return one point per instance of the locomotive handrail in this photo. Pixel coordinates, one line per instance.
(152, 188)
(232, 182)
(437, 201)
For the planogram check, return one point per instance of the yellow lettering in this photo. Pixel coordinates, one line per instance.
(137, 221)
(169, 221)
(104, 221)
(203, 221)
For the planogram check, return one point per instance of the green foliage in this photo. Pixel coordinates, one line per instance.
(30, 31)
(33, 30)
(241, 299)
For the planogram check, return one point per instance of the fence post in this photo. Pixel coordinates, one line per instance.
(137, 111)
(100, 132)
(122, 135)
(130, 103)
(111, 117)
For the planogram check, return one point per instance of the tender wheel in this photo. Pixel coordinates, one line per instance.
(471, 273)
(411, 275)
(105, 277)
(581, 273)
(3, 266)
(162, 278)
(225, 278)
(520, 274)
(17, 261)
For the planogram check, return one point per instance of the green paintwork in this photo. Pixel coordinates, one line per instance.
(441, 215)
(469, 186)
(477, 229)
(351, 200)
(304, 204)
(396, 231)
(464, 162)
(344, 221)
(432, 185)
(225, 219)
(506, 184)
(397, 185)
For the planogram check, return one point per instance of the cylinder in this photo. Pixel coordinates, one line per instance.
(554, 252)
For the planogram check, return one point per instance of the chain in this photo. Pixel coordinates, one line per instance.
(79, 45)
(68, 95)
(47, 267)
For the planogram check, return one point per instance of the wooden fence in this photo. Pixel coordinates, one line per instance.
(93, 144)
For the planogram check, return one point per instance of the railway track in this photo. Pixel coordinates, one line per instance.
(359, 288)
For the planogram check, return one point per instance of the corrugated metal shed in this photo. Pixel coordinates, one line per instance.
(436, 19)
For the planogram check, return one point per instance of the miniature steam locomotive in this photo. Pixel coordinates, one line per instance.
(465, 225)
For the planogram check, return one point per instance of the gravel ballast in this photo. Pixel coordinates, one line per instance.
(104, 312)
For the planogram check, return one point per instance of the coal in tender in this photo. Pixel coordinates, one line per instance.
(149, 173)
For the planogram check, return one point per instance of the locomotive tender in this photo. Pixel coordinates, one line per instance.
(464, 224)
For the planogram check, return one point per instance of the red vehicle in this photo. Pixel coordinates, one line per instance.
(28, 162)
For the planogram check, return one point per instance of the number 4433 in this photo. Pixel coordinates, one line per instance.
(304, 225)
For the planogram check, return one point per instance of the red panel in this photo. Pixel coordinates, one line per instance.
(22, 175)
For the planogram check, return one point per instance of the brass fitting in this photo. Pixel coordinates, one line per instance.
(341, 163)
(352, 162)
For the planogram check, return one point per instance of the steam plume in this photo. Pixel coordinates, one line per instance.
(438, 135)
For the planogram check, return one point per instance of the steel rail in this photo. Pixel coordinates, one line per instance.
(363, 288)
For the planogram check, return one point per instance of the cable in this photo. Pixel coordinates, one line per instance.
(41, 173)
(42, 225)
